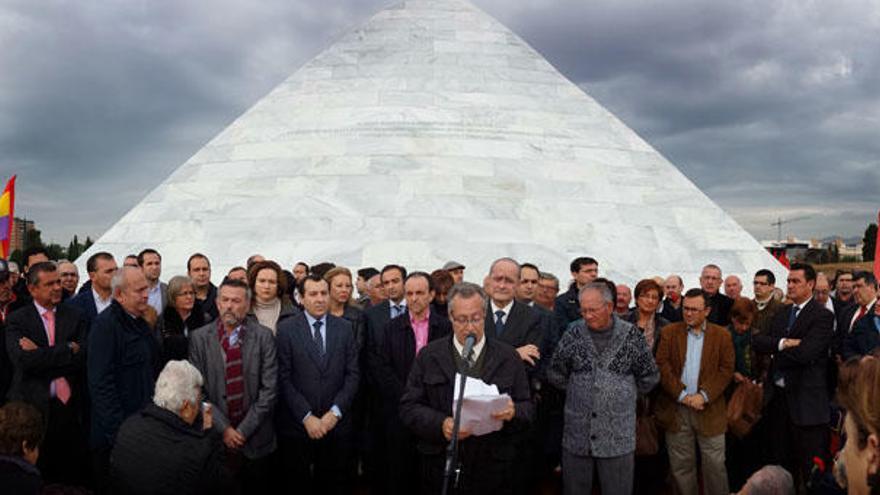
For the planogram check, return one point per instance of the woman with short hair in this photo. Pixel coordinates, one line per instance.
(181, 317)
(648, 295)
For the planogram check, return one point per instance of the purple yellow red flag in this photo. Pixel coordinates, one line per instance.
(877, 250)
(7, 210)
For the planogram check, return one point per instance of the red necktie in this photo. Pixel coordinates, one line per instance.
(62, 388)
(862, 311)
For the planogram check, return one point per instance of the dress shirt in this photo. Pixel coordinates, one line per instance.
(505, 309)
(856, 315)
(780, 380)
(420, 330)
(154, 298)
(43, 311)
(323, 331)
(391, 305)
(478, 347)
(101, 304)
(690, 374)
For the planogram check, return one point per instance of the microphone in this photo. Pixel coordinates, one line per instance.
(469, 342)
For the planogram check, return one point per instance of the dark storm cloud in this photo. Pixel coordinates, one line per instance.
(770, 107)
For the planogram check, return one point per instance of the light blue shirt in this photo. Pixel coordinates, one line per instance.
(690, 374)
(395, 313)
(154, 298)
(323, 331)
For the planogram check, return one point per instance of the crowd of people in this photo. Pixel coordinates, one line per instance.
(275, 377)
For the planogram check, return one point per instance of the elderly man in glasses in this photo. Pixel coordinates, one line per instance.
(486, 461)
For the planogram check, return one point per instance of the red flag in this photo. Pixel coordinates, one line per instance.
(877, 250)
(7, 216)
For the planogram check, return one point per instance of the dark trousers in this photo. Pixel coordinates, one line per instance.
(318, 466)
(794, 446)
(63, 453)
(402, 466)
(483, 470)
(100, 460)
(243, 475)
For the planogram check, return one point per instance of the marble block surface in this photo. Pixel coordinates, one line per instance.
(430, 133)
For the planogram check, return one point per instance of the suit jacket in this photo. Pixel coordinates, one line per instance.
(35, 370)
(803, 367)
(716, 371)
(864, 337)
(310, 382)
(391, 365)
(377, 317)
(669, 312)
(260, 373)
(720, 309)
(427, 399)
(84, 301)
(523, 326)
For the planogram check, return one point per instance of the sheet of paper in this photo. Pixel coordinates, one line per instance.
(480, 401)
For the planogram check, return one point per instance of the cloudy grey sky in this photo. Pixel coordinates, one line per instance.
(772, 107)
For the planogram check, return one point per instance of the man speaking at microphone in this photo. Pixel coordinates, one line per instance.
(486, 462)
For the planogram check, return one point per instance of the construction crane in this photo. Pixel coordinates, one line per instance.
(780, 222)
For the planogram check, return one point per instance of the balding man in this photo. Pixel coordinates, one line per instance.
(487, 460)
(122, 362)
(673, 287)
(69, 279)
(719, 304)
(624, 298)
(733, 287)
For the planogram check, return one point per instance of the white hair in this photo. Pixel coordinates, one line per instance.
(770, 480)
(179, 382)
(119, 281)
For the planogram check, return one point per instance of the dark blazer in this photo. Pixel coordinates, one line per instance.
(839, 305)
(208, 306)
(803, 367)
(716, 371)
(84, 301)
(310, 382)
(377, 316)
(567, 307)
(122, 365)
(175, 342)
(391, 365)
(427, 402)
(260, 375)
(523, 326)
(864, 337)
(35, 370)
(659, 323)
(720, 305)
(358, 321)
(670, 313)
(845, 316)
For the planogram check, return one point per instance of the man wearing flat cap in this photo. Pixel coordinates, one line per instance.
(455, 269)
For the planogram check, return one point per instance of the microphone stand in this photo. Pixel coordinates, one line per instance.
(452, 450)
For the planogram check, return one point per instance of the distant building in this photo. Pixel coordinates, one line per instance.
(20, 228)
(814, 250)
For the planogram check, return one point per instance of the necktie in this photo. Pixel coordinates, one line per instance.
(792, 318)
(397, 310)
(62, 388)
(862, 311)
(319, 340)
(499, 322)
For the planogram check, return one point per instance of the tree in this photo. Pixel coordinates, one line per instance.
(55, 251)
(869, 243)
(32, 238)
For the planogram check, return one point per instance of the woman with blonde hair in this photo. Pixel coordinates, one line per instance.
(339, 279)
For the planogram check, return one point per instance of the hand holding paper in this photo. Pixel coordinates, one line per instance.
(484, 410)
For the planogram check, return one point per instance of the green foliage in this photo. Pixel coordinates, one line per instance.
(870, 242)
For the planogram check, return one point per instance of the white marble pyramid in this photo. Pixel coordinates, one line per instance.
(431, 133)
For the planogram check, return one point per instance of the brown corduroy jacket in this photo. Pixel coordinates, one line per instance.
(716, 371)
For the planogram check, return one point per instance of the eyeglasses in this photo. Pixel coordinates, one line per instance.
(464, 320)
(186, 293)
